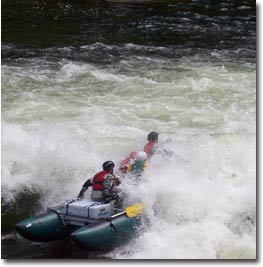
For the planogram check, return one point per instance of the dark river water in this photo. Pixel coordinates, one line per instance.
(187, 26)
(186, 68)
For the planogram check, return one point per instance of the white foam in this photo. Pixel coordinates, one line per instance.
(193, 199)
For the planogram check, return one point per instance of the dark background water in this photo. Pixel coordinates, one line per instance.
(188, 26)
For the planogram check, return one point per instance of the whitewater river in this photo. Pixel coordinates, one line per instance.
(84, 83)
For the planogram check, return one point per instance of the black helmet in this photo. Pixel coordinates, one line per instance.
(107, 165)
(152, 136)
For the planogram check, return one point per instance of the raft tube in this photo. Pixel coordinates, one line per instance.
(88, 224)
(45, 227)
(107, 233)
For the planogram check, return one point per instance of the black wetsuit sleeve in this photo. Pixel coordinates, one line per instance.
(85, 186)
(88, 183)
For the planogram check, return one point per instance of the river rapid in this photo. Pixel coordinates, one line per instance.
(86, 82)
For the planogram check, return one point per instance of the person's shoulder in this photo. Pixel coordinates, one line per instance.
(109, 176)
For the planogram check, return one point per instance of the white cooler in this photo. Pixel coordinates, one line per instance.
(88, 209)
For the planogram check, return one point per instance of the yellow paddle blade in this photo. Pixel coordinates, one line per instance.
(135, 210)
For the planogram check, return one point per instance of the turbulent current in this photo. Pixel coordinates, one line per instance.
(70, 103)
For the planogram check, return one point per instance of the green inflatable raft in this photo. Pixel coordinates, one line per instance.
(89, 224)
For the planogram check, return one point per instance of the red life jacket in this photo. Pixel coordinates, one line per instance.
(98, 180)
(124, 163)
(148, 149)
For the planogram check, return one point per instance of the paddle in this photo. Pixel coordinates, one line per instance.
(135, 210)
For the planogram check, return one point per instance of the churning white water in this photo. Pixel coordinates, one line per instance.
(62, 118)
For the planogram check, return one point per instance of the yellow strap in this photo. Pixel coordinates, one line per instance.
(129, 168)
(135, 210)
(146, 165)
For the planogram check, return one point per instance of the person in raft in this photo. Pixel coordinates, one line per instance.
(151, 147)
(104, 184)
(127, 161)
(139, 165)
